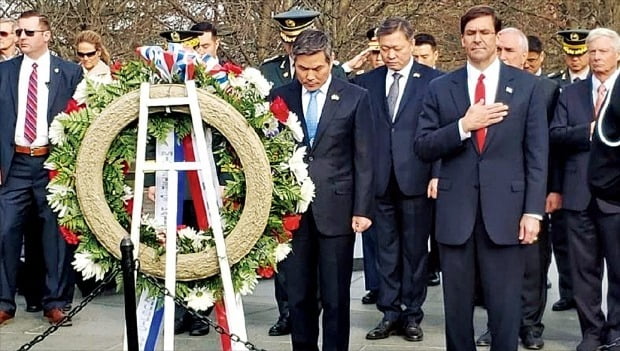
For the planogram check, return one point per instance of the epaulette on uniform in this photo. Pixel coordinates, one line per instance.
(271, 59)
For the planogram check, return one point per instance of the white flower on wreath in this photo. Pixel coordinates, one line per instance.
(49, 165)
(128, 193)
(297, 165)
(307, 194)
(248, 283)
(293, 124)
(237, 81)
(282, 251)
(261, 108)
(271, 127)
(200, 299)
(56, 196)
(254, 77)
(82, 261)
(56, 133)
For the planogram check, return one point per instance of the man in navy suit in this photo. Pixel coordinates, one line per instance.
(404, 212)
(336, 119)
(592, 223)
(487, 124)
(33, 89)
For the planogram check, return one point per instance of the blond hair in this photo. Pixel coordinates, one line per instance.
(92, 37)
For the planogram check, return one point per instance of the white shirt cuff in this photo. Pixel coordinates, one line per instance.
(346, 68)
(535, 216)
(462, 132)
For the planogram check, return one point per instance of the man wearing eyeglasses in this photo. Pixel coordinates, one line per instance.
(487, 124)
(8, 40)
(33, 89)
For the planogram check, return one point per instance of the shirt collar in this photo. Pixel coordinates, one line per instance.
(609, 83)
(582, 76)
(323, 89)
(405, 71)
(491, 71)
(41, 61)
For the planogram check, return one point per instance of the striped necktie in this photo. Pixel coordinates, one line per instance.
(30, 125)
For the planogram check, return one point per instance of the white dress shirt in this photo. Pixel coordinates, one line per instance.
(402, 82)
(43, 79)
(609, 85)
(583, 75)
(320, 99)
(491, 81)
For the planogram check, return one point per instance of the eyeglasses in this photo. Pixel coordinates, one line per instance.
(4, 34)
(86, 54)
(29, 33)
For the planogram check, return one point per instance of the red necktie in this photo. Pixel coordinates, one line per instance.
(481, 133)
(30, 126)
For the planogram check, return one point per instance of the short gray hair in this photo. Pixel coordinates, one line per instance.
(522, 37)
(394, 24)
(604, 33)
(311, 41)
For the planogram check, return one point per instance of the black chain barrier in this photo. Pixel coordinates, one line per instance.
(610, 346)
(75, 310)
(218, 328)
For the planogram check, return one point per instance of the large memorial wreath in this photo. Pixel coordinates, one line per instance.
(245, 90)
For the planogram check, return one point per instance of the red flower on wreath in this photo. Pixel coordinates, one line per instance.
(69, 236)
(232, 68)
(129, 206)
(126, 167)
(279, 109)
(265, 272)
(115, 68)
(52, 173)
(73, 105)
(291, 221)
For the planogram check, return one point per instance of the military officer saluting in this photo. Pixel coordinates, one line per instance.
(280, 69)
(574, 46)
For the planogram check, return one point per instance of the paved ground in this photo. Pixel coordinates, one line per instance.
(100, 326)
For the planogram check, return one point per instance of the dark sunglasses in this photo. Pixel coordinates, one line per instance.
(29, 33)
(4, 34)
(86, 54)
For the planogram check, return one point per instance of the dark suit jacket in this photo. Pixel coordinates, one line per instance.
(570, 131)
(507, 179)
(394, 140)
(340, 161)
(604, 167)
(551, 91)
(64, 77)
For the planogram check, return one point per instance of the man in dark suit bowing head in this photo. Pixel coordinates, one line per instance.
(403, 212)
(33, 89)
(487, 124)
(336, 119)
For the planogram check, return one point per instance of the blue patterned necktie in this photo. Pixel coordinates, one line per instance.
(312, 116)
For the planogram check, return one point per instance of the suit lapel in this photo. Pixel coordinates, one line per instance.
(14, 81)
(410, 92)
(332, 101)
(52, 87)
(381, 93)
(460, 96)
(505, 90)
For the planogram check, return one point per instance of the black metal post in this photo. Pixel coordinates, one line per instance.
(129, 290)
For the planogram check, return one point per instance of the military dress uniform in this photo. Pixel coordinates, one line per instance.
(573, 44)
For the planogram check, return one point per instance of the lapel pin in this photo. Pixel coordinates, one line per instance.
(416, 75)
(335, 97)
(56, 70)
(509, 90)
(285, 74)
